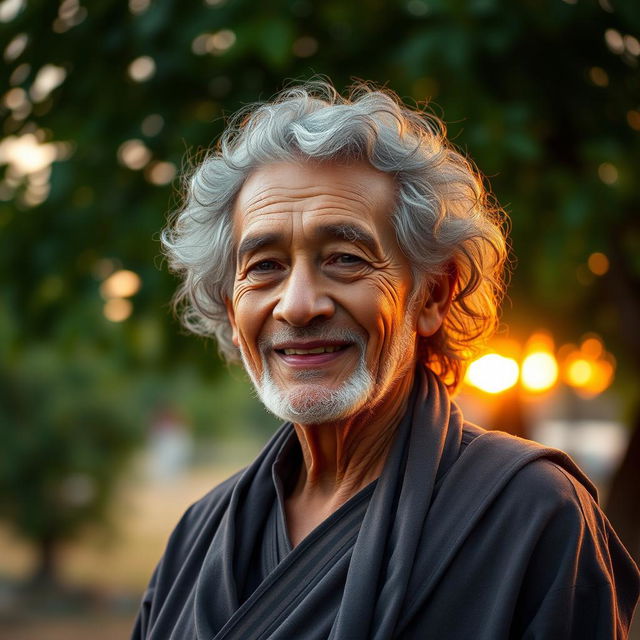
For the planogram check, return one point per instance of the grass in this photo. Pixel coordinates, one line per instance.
(110, 569)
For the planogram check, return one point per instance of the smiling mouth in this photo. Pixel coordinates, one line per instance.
(313, 351)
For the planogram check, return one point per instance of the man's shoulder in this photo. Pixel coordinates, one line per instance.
(546, 486)
(527, 468)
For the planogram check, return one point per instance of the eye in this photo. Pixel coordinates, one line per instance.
(346, 259)
(264, 266)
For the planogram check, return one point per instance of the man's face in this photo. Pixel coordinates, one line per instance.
(319, 307)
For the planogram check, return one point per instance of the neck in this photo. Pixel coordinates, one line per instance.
(342, 457)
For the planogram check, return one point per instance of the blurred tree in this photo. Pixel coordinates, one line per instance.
(67, 434)
(103, 99)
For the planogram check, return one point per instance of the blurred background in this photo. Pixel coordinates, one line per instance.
(112, 420)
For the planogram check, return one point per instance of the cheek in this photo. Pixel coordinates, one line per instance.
(390, 298)
(380, 308)
(248, 320)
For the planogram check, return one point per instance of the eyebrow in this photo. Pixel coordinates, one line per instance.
(350, 232)
(255, 242)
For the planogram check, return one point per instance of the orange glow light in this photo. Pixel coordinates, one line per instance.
(589, 369)
(598, 263)
(540, 341)
(492, 373)
(539, 371)
(579, 372)
(592, 347)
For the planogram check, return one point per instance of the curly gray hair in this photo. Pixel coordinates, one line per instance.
(444, 217)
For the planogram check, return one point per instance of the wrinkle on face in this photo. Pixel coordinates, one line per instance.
(282, 215)
(317, 259)
(276, 199)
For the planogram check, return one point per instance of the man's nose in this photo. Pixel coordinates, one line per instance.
(303, 298)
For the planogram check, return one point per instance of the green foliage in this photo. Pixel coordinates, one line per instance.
(514, 80)
(68, 428)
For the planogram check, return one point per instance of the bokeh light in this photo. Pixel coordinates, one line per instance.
(633, 119)
(26, 154)
(592, 346)
(492, 373)
(70, 14)
(599, 76)
(48, 78)
(138, 6)
(134, 154)
(9, 9)
(598, 263)
(160, 173)
(632, 45)
(20, 74)
(589, 369)
(15, 47)
(142, 69)
(121, 284)
(117, 309)
(608, 173)
(222, 40)
(539, 371)
(579, 371)
(152, 125)
(214, 43)
(614, 41)
(16, 98)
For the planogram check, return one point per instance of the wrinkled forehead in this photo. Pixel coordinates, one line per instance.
(273, 192)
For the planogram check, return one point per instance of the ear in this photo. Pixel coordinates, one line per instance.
(232, 321)
(436, 302)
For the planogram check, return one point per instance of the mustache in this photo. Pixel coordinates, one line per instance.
(293, 334)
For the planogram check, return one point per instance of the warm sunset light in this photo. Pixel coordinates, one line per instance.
(540, 341)
(590, 377)
(539, 371)
(592, 347)
(492, 373)
(589, 369)
(507, 347)
(579, 372)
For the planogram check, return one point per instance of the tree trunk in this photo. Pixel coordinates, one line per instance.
(509, 414)
(623, 503)
(45, 574)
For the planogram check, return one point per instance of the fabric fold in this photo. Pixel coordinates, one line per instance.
(460, 520)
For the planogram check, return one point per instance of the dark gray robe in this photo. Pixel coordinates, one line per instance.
(467, 534)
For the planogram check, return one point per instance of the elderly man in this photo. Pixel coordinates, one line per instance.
(350, 257)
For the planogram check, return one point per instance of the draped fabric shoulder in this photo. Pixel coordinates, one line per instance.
(466, 533)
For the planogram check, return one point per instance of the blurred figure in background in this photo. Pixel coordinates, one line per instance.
(170, 445)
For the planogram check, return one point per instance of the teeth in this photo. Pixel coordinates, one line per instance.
(302, 352)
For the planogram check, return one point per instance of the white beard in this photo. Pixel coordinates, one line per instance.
(313, 403)
(310, 403)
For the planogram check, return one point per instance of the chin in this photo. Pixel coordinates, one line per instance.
(313, 403)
